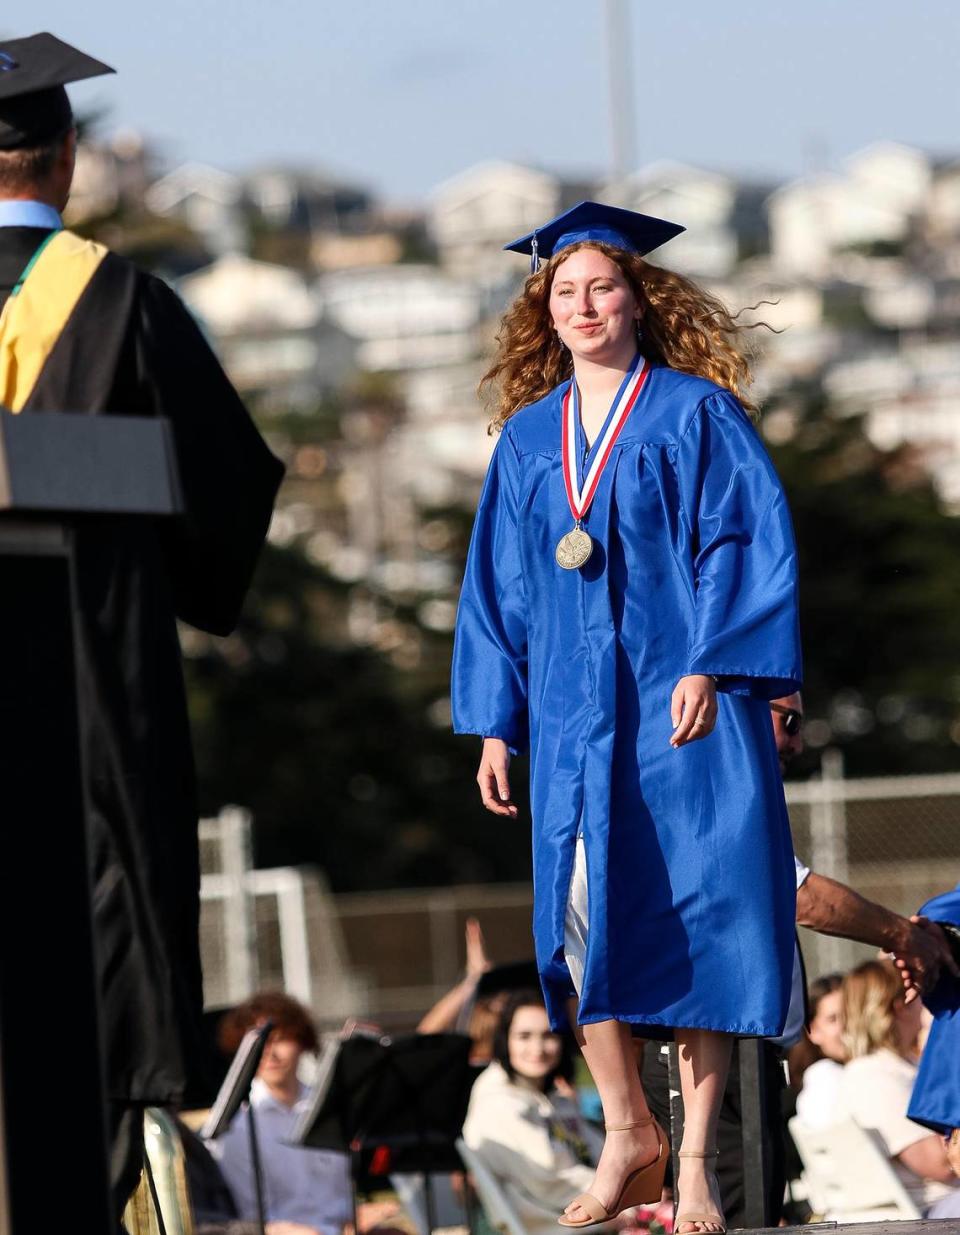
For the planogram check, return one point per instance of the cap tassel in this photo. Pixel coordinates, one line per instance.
(534, 255)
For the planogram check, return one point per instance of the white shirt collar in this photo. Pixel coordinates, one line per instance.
(261, 1097)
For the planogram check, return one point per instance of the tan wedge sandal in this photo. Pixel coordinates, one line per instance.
(718, 1219)
(641, 1187)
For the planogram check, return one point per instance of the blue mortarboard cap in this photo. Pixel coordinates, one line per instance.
(624, 229)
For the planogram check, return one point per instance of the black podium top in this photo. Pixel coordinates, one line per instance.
(58, 462)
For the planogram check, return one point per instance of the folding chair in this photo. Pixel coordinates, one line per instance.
(848, 1175)
(496, 1204)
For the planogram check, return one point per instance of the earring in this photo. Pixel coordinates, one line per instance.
(639, 331)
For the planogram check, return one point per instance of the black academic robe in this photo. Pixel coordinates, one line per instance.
(131, 348)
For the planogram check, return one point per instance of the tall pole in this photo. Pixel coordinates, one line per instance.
(619, 72)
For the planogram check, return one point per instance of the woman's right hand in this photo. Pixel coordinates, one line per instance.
(493, 779)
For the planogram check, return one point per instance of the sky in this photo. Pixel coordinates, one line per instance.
(399, 95)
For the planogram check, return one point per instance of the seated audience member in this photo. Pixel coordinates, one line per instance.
(211, 1204)
(820, 1080)
(308, 1187)
(444, 1016)
(523, 1122)
(880, 1034)
(464, 1009)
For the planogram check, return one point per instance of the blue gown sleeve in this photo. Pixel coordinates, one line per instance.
(935, 1101)
(747, 630)
(489, 679)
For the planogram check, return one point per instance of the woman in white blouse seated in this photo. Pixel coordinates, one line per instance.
(523, 1121)
(881, 1033)
(817, 1099)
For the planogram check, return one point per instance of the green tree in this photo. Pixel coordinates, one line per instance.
(344, 759)
(880, 585)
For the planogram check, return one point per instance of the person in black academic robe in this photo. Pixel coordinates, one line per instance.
(130, 347)
(139, 353)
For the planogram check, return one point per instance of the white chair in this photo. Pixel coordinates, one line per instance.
(848, 1175)
(496, 1204)
(447, 1207)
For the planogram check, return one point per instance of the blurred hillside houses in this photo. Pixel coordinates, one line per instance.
(404, 316)
(269, 328)
(725, 220)
(204, 199)
(368, 327)
(474, 214)
(872, 206)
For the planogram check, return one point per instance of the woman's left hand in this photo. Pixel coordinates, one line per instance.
(693, 709)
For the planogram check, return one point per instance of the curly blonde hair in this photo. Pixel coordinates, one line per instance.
(684, 327)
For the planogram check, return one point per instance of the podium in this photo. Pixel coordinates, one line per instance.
(58, 471)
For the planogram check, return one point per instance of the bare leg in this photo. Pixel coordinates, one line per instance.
(704, 1064)
(608, 1049)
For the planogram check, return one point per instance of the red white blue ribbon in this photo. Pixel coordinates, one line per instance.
(580, 500)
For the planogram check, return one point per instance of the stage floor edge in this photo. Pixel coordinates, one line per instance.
(918, 1226)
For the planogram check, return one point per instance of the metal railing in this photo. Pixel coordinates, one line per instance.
(388, 956)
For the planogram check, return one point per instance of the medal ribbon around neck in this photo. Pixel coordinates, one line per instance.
(580, 500)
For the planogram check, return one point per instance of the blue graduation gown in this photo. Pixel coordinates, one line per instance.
(689, 857)
(935, 1101)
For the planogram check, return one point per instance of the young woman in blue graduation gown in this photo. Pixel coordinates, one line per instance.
(663, 869)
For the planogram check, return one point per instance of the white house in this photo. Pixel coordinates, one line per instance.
(443, 437)
(895, 176)
(903, 302)
(880, 191)
(475, 213)
(207, 200)
(267, 325)
(912, 395)
(237, 293)
(405, 316)
(306, 200)
(703, 201)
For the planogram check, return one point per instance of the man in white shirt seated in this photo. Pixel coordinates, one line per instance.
(306, 1191)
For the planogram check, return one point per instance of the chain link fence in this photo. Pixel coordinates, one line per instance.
(388, 956)
(895, 840)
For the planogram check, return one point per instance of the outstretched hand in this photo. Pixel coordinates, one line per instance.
(493, 778)
(923, 954)
(478, 962)
(693, 709)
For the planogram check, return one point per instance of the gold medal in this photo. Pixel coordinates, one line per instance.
(574, 549)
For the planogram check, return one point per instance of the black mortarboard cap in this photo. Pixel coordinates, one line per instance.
(33, 103)
(512, 976)
(624, 229)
